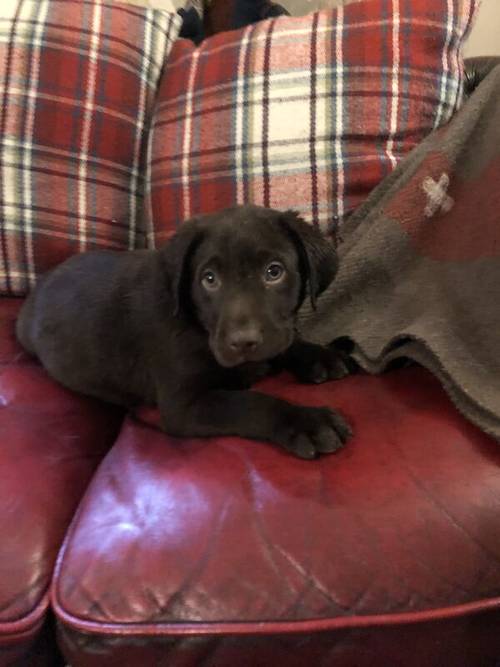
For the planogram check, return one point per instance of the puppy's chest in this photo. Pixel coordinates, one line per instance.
(248, 374)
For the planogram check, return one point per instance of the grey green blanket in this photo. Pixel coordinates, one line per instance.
(420, 264)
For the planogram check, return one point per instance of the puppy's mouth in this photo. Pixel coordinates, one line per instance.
(230, 358)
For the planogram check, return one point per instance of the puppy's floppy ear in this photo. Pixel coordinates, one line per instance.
(317, 257)
(176, 257)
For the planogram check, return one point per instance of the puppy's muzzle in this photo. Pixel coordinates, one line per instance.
(245, 341)
(246, 332)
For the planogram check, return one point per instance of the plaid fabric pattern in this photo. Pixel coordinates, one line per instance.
(308, 113)
(78, 81)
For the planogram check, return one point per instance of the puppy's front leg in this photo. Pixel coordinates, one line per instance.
(303, 431)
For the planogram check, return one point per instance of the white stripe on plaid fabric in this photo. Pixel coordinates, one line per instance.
(39, 17)
(284, 153)
(282, 165)
(285, 81)
(313, 121)
(134, 175)
(268, 118)
(456, 81)
(457, 75)
(9, 253)
(393, 123)
(320, 147)
(446, 66)
(51, 234)
(162, 5)
(339, 124)
(89, 105)
(36, 95)
(241, 85)
(187, 136)
(156, 45)
(24, 39)
(17, 145)
(149, 237)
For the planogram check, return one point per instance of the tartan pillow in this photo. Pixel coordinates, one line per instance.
(78, 80)
(308, 113)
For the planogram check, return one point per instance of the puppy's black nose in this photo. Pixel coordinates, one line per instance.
(245, 340)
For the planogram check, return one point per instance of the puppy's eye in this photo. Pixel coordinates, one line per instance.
(210, 280)
(274, 272)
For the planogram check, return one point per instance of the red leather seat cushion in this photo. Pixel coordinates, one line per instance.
(207, 538)
(51, 441)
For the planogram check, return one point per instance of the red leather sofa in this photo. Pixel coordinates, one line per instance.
(226, 552)
(123, 547)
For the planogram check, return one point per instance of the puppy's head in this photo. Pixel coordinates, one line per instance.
(243, 273)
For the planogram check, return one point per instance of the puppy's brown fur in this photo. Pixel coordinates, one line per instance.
(189, 326)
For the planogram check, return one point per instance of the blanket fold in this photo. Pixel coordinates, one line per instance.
(420, 264)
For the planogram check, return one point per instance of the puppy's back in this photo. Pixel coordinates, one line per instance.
(70, 302)
(79, 321)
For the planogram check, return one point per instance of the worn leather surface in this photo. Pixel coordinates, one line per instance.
(472, 641)
(182, 538)
(41, 650)
(51, 441)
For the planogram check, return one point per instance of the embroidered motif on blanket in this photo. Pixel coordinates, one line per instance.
(438, 198)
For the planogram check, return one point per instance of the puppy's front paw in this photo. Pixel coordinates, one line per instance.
(314, 364)
(307, 432)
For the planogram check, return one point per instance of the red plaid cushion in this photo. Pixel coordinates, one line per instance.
(78, 79)
(308, 113)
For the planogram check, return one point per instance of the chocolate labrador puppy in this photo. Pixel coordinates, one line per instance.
(190, 326)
